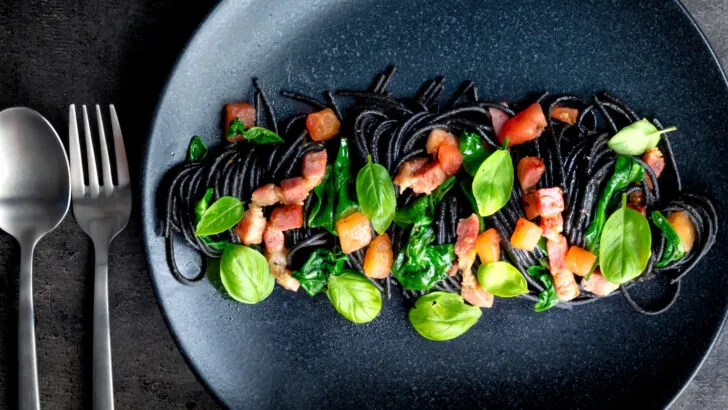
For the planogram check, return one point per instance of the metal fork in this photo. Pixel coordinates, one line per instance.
(102, 210)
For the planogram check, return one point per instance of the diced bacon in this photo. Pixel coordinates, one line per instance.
(467, 232)
(653, 158)
(499, 118)
(250, 229)
(407, 171)
(529, 171)
(552, 226)
(313, 169)
(548, 201)
(598, 284)
(285, 217)
(277, 262)
(566, 287)
(267, 195)
(452, 270)
(636, 201)
(294, 190)
(243, 111)
(274, 240)
(450, 158)
(439, 137)
(428, 178)
(473, 293)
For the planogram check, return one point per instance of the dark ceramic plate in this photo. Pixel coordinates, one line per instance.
(295, 351)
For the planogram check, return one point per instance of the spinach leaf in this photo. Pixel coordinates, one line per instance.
(423, 206)
(224, 213)
(493, 182)
(245, 274)
(322, 263)
(471, 146)
(375, 192)
(256, 135)
(200, 208)
(322, 209)
(354, 297)
(197, 150)
(636, 138)
(342, 177)
(442, 316)
(674, 249)
(625, 245)
(547, 298)
(626, 171)
(420, 265)
(502, 279)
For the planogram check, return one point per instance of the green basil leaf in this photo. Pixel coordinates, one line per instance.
(224, 213)
(342, 177)
(636, 138)
(502, 279)
(202, 205)
(493, 183)
(375, 192)
(471, 146)
(197, 150)
(354, 297)
(420, 265)
(314, 274)
(423, 206)
(442, 316)
(235, 128)
(260, 135)
(625, 245)
(674, 249)
(245, 274)
(216, 245)
(548, 297)
(322, 209)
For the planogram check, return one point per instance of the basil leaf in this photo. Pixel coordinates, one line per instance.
(322, 209)
(200, 208)
(502, 279)
(626, 172)
(442, 316)
(354, 297)
(314, 274)
(260, 135)
(197, 150)
(235, 128)
(468, 192)
(342, 177)
(375, 192)
(547, 298)
(493, 183)
(424, 206)
(636, 138)
(420, 265)
(245, 274)
(625, 245)
(674, 249)
(224, 213)
(471, 146)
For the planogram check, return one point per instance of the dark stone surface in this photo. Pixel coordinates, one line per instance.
(56, 52)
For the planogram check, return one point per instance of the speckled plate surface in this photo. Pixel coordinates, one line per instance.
(295, 351)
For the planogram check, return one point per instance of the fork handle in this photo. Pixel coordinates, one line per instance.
(28, 398)
(103, 388)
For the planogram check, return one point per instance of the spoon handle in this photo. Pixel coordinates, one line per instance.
(28, 398)
(103, 387)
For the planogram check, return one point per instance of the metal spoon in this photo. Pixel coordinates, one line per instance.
(35, 192)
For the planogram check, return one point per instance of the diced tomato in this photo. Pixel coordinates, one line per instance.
(243, 111)
(274, 239)
(525, 126)
(406, 173)
(580, 260)
(680, 221)
(313, 168)
(428, 178)
(250, 229)
(529, 171)
(526, 235)
(323, 125)
(294, 190)
(564, 282)
(548, 201)
(439, 137)
(267, 195)
(488, 246)
(450, 158)
(354, 232)
(598, 284)
(552, 226)
(498, 118)
(529, 205)
(467, 233)
(379, 257)
(565, 114)
(653, 157)
(286, 217)
(473, 293)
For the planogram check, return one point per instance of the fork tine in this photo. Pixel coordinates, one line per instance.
(122, 166)
(74, 145)
(108, 184)
(93, 177)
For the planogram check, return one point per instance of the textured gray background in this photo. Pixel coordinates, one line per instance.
(56, 52)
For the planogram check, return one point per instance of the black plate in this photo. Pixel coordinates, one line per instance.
(292, 350)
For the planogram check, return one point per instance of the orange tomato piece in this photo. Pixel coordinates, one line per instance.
(379, 257)
(450, 158)
(354, 232)
(323, 125)
(580, 260)
(526, 235)
(684, 228)
(525, 126)
(488, 246)
(565, 114)
(437, 138)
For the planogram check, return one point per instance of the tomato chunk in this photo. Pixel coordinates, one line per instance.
(680, 221)
(565, 114)
(250, 229)
(294, 190)
(529, 171)
(498, 118)
(286, 217)
(244, 112)
(354, 232)
(437, 138)
(379, 258)
(580, 260)
(323, 125)
(450, 158)
(549, 202)
(525, 126)
(598, 284)
(552, 226)
(529, 205)
(488, 246)
(526, 235)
